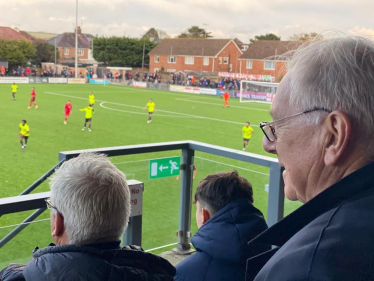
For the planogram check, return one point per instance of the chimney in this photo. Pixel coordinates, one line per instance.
(79, 30)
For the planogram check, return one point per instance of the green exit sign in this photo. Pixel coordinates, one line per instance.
(164, 167)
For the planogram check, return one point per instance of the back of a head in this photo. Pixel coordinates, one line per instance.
(217, 190)
(93, 197)
(337, 74)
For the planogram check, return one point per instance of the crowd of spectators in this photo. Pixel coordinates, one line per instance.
(224, 83)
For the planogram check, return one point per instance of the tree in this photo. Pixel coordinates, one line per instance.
(155, 35)
(45, 52)
(267, 36)
(195, 32)
(122, 51)
(16, 52)
(312, 36)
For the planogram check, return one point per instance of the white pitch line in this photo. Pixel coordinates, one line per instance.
(157, 248)
(237, 167)
(178, 113)
(221, 104)
(141, 113)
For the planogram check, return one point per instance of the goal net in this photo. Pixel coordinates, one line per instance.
(257, 91)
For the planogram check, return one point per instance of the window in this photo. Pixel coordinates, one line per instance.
(80, 52)
(66, 51)
(172, 59)
(170, 70)
(157, 59)
(249, 64)
(156, 70)
(226, 60)
(220, 60)
(269, 65)
(189, 60)
(244, 47)
(206, 61)
(230, 67)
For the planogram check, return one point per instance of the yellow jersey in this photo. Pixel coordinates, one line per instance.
(151, 106)
(247, 132)
(24, 129)
(91, 99)
(89, 111)
(14, 88)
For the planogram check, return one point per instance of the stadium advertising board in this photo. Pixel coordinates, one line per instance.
(176, 88)
(17, 80)
(192, 90)
(57, 80)
(136, 191)
(246, 76)
(76, 81)
(212, 92)
(256, 96)
(99, 81)
(138, 84)
(38, 80)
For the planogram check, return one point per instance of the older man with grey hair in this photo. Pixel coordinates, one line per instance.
(90, 209)
(322, 132)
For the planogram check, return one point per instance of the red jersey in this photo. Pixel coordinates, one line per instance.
(33, 93)
(226, 95)
(68, 107)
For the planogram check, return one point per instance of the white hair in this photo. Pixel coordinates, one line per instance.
(337, 74)
(93, 197)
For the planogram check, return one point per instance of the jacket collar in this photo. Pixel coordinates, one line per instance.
(352, 186)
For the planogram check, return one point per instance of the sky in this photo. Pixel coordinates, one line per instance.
(242, 19)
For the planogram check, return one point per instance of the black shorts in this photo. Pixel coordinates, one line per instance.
(247, 140)
(88, 120)
(150, 113)
(25, 137)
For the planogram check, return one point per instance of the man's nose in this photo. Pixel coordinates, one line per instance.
(269, 146)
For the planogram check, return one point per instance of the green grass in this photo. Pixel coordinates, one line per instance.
(123, 124)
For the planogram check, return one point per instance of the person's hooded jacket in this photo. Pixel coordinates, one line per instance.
(105, 261)
(221, 244)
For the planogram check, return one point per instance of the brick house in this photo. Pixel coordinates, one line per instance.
(65, 43)
(14, 34)
(186, 54)
(267, 57)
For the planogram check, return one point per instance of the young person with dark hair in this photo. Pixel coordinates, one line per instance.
(227, 220)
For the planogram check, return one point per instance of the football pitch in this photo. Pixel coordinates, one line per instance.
(119, 120)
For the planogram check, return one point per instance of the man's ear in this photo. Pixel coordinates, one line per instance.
(206, 215)
(339, 131)
(58, 225)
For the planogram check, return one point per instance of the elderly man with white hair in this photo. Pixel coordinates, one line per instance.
(90, 209)
(322, 132)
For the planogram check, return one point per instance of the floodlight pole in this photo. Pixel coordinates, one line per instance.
(76, 41)
(143, 57)
(55, 58)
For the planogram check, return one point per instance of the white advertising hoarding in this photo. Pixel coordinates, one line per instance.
(17, 80)
(57, 80)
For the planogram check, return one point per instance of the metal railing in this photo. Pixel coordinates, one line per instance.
(188, 148)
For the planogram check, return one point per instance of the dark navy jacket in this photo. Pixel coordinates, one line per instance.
(92, 262)
(221, 244)
(331, 237)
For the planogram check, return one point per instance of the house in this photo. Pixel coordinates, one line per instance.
(190, 54)
(14, 34)
(65, 44)
(267, 57)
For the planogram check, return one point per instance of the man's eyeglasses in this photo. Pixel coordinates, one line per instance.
(269, 129)
(50, 206)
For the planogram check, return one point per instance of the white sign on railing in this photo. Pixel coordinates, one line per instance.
(17, 80)
(57, 80)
